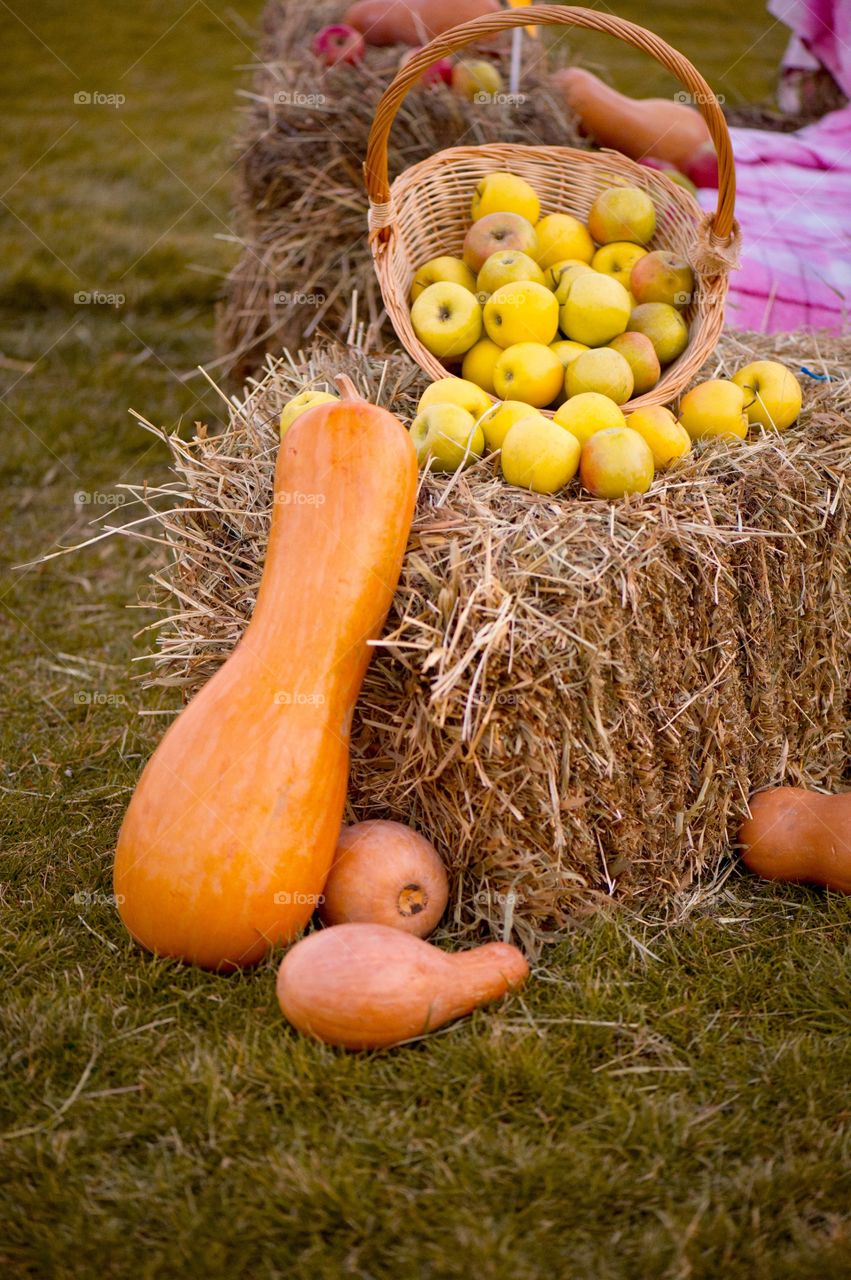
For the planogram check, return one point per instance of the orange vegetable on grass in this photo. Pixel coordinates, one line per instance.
(230, 833)
(366, 986)
(638, 127)
(385, 873)
(799, 836)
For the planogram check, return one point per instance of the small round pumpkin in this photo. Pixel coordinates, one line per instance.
(385, 873)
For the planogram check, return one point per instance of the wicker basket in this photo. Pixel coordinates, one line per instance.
(426, 211)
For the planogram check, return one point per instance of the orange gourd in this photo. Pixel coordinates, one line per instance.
(638, 127)
(366, 986)
(798, 835)
(385, 873)
(412, 21)
(231, 831)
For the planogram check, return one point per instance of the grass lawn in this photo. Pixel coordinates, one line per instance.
(659, 1103)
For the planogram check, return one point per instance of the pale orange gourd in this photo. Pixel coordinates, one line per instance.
(638, 127)
(385, 873)
(231, 831)
(366, 986)
(799, 836)
(412, 21)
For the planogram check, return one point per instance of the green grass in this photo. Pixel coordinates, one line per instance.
(676, 1114)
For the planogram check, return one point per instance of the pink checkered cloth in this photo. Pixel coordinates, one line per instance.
(794, 206)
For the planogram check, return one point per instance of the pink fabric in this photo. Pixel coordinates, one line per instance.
(824, 28)
(794, 205)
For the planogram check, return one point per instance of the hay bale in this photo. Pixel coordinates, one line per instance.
(301, 206)
(573, 698)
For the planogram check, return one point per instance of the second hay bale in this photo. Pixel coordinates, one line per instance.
(301, 203)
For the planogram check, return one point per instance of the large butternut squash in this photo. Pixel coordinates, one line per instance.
(638, 127)
(232, 828)
(367, 986)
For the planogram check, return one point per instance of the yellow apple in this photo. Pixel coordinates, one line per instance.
(617, 260)
(622, 213)
(446, 437)
(595, 310)
(553, 274)
(497, 231)
(502, 417)
(528, 371)
(505, 193)
(507, 267)
(664, 326)
(567, 351)
(662, 276)
(658, 427)
(772, 393)
(447, 319)
(297, 406)
(714, 408)
(637, 350)
(616, 462)
(439, 270)
(521, 312)
(456, 391)
(476, 79)
(601, 370)
(560, 235)
(479, 362)
(538, 455)
(566, 277)
(588, 413)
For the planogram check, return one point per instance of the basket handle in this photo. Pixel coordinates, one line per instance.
(721, 223)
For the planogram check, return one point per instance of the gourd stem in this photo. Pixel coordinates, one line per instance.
(346, 387)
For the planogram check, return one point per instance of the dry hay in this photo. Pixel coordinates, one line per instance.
(573, 698)
(301, 204)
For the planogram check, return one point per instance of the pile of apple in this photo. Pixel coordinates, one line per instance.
(574, 325)
(456, 424)
(475, 79)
